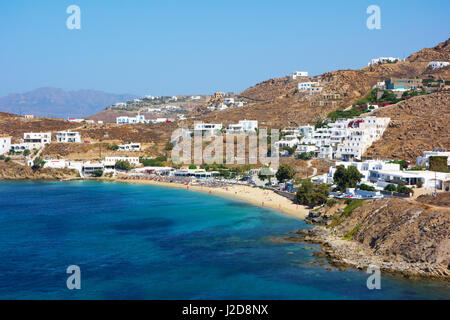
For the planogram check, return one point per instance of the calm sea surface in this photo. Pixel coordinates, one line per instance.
(147, 242)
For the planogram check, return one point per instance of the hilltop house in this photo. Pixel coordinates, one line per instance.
(131, 120)
(304, 86)
(396, 84)
(297, 74)
(438, 64)
(5, 145)
(381, 60)
(243, 125)
(207, 128)
(67, 136)
(33, 140)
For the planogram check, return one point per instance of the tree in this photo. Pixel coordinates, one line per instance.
(366, 187)
(97, 173)
(38, 163)
(26, 152)
(403, 163)
(123, 165)
(312, 196)
(285, 172)
(305, 155)
(193, 167)
(346, 178)
(169, 145)
(113, 147)
(390, 187)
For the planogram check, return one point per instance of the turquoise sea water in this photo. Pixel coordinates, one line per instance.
(147, 242)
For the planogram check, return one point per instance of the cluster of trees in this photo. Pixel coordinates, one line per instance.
(285, 172)
(38, 163)
(113, 147)
(400, 188)
(346, 178)
(123, 165)
(305, 155)
(311, 195)
(366, 187)
(155, 162)
(6, 159)
(346, 114)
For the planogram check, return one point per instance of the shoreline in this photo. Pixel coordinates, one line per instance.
(258, 197)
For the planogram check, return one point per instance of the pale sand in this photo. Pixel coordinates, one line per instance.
(256, 196)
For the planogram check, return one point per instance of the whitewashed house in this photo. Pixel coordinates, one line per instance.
(110, 162)
(297, 74)
(288, 141)
(68, 136)
(33, 140)
(5, 145)
(243, 125)
(207, 128)
(364, 168)
(382, 60)
(304, 86)
(438, 64)
(131, 120)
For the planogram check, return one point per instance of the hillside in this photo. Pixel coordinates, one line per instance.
(57, 103)
(417, 124)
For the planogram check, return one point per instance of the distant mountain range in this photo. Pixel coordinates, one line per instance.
(58, 103)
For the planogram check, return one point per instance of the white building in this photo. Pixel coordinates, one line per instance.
(424, 160)
(288, 141)
(90, 167)
(304, 86)
(222, 107)
(5, 145)
(131, 120)
(315, 90)
(110, 162)
(196, 97)
(244, 125)
(364, 168)
(297, 74)
(68, 136)
(361, 133)
(429, 179)
(34, 140)
(229, 101)
(130, 147)
(381, 60)
(438, 64)
(209, 128)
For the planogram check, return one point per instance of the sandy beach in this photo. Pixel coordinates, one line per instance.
(256, 196)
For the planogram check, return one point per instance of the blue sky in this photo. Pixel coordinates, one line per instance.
(187, 47)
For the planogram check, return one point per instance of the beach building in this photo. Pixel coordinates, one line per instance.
(110, 162)
(5, 145)
(90, 167)
(363, 167)
(68, 136)
(194, 173)
(130, 147)
(430, 179)
(207, 128)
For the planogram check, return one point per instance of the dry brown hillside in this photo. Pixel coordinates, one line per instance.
(441, 52)
(417, 124)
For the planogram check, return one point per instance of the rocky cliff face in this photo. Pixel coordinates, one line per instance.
(405, 236)
(13, 171)
(417, 124)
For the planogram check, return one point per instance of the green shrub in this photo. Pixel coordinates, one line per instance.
(390, 187)
(365, 187)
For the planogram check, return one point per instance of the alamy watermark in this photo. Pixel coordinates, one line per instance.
(207, 147)
(374, 20)
(74, 280)
(374, 280)
(74, 20)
